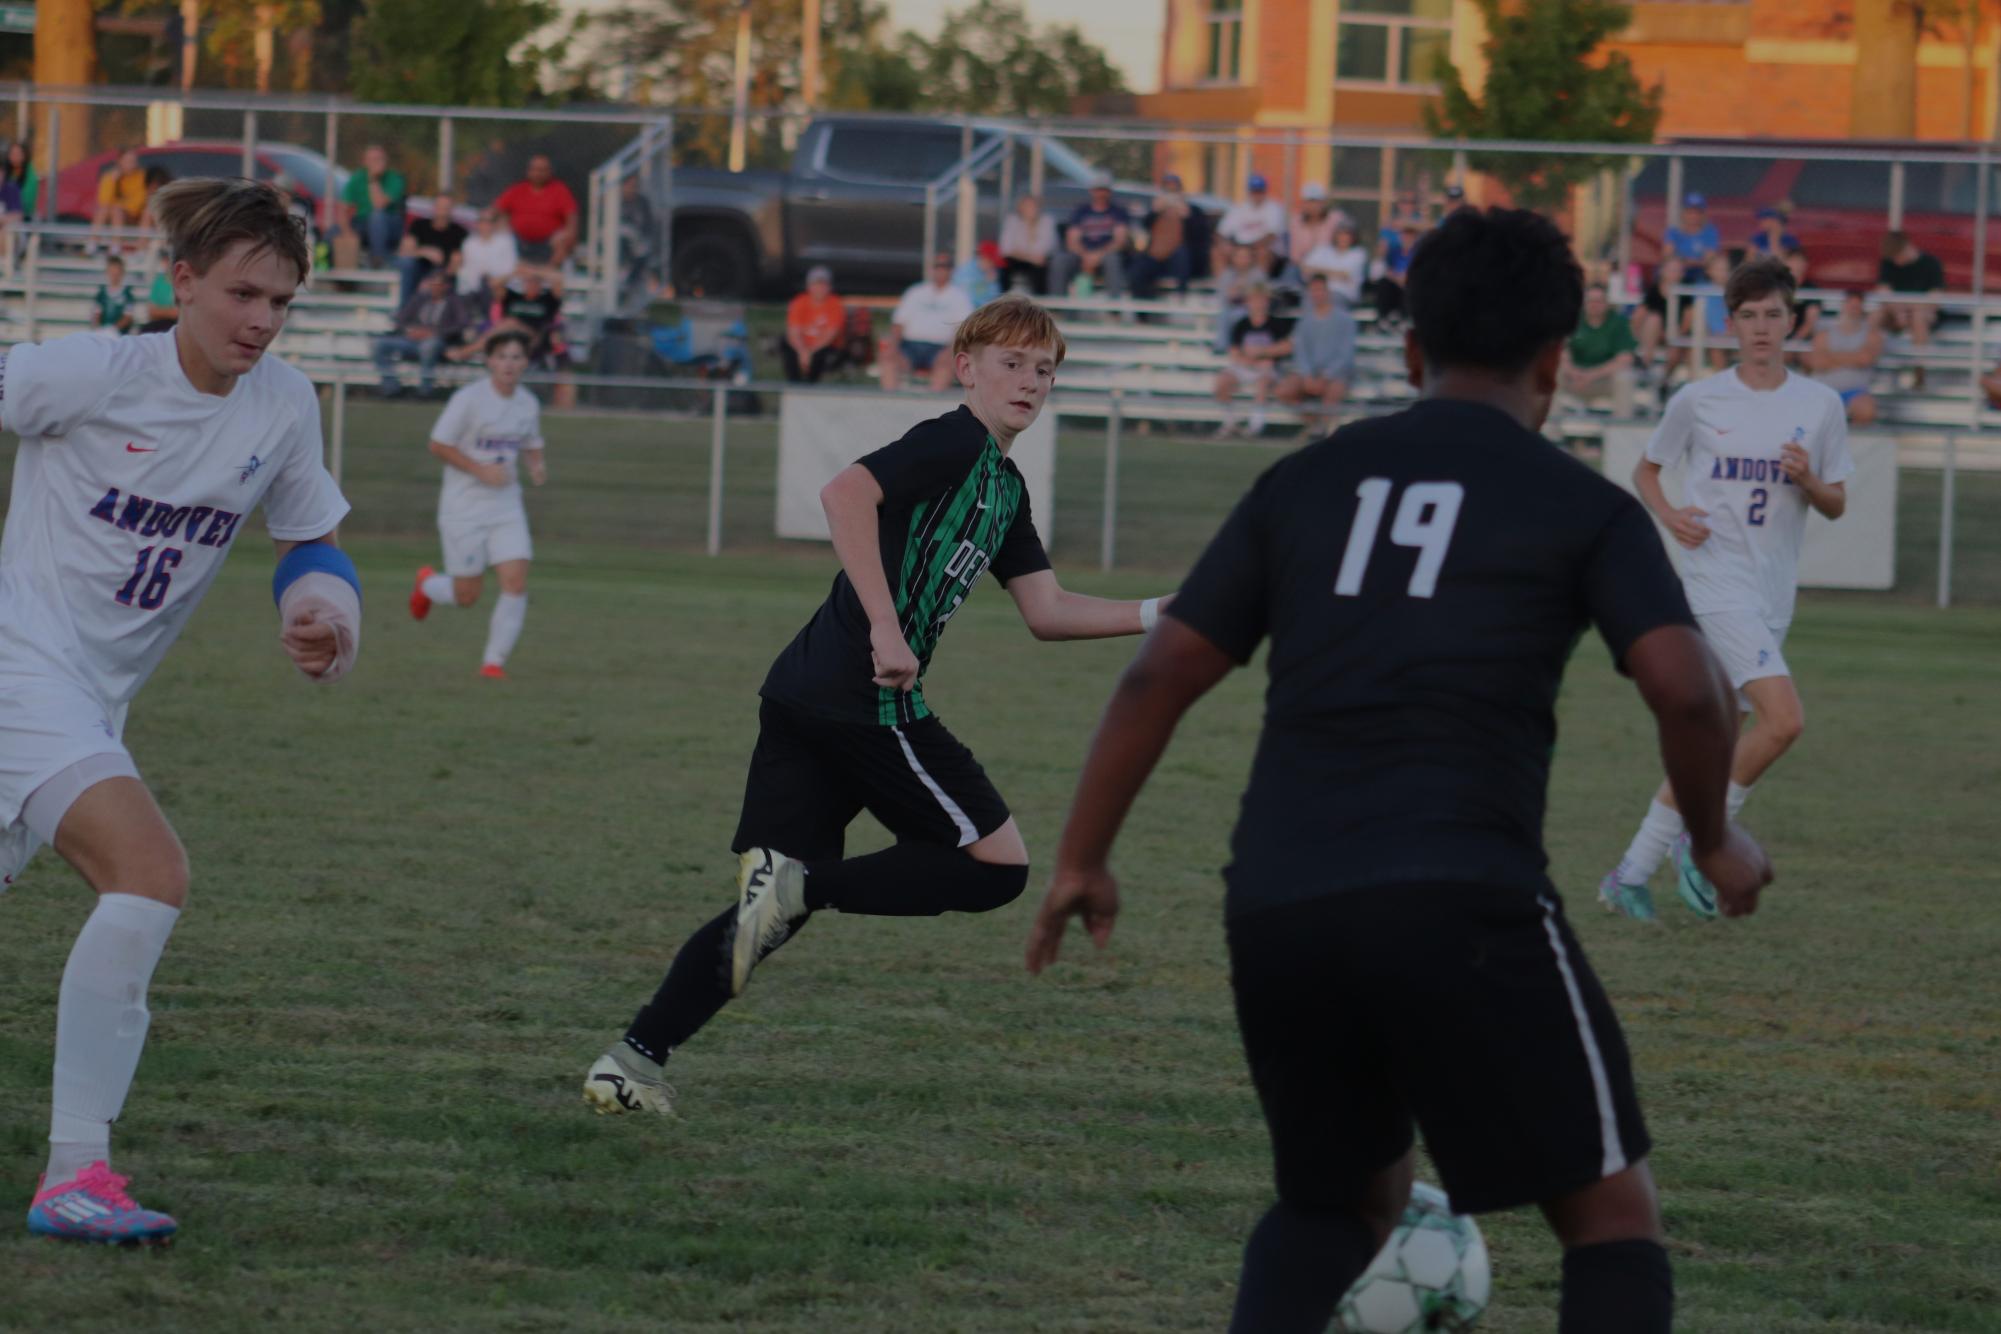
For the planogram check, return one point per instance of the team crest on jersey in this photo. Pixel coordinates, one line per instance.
(249, 469)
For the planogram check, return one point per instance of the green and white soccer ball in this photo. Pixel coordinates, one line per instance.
(1432, 1274)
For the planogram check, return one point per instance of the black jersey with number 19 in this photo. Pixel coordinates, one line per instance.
(953, 507)
(1423, 578)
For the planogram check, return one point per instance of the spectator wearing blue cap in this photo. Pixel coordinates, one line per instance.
(1259, 222)
(1686, 248)
(1771, 237)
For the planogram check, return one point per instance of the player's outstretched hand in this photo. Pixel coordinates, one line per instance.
(1796, 461)
(1091, 895)
(310, 642)
(1688, 527)
(1738, 868)
(895, 664)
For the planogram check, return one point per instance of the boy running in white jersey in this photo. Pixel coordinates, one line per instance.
(485, 428)
(1759, 445)
(139, 458)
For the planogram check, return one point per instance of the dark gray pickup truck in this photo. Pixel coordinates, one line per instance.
(854, 201)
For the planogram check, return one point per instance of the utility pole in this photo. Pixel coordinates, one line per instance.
(65, 57)
(740, 114)
(809, 55)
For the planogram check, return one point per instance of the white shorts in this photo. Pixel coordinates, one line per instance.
(1748, 646)
(47, 726)
(473, 547)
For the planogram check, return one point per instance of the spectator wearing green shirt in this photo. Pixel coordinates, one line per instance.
(163, 311)
(111, 307)
(1598, 359)
(371, 205)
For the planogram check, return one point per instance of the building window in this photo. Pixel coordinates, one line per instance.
(1226, 40)
(1392, 43)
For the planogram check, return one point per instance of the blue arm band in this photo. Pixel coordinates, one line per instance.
(308, 557)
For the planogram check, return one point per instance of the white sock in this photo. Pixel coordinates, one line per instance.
(509, 611)
(438, 588)
(1734, 801)
(1650, 846)
(101, 1020)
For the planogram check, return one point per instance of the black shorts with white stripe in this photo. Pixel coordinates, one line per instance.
(1467, 1010)
(810, 776)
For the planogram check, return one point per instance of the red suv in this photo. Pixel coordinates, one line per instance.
(304, 169)
(1840, 209)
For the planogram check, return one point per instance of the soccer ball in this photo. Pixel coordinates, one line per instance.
(1432, 1274)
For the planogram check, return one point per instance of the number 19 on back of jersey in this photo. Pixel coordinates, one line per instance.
(1425, 519)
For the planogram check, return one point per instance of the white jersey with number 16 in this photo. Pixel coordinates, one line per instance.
(1730, 437)
(130, 487)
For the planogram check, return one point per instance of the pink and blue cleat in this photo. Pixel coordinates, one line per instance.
(95, 1207)
(1634, 901)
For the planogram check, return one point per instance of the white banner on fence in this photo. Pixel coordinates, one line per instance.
(1858, 552)
(821, 432)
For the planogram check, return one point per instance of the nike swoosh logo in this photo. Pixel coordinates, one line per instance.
(131, 448)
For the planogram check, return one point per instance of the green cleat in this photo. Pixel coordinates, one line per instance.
(1634, 901)
(1693, 885)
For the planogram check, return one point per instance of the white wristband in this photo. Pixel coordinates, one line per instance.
(1149, 614)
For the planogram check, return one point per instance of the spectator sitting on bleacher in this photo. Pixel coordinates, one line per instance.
(1169, 252)
(1394, 247)
(1806, 314)
(1094, 249)
(488, 258)
(371, 206)
(155, 177)
(18, 168)
(1908, 270)
(533, 304)
(979, 275)
(111, 306)
(1323, 356)
(1710, 308)
(542, 214)
(1343, 261)
(921, 329)
(431, 323)
(1598, 359)
(121, 196)
(1027, 242)
(1771, 237)
(1233, 284)
(163, 311)
(1257, 221)
(430, 243)
(1844, 357)
(815, 323)
(1259, 344)
(1686, 248)
(1313, 225)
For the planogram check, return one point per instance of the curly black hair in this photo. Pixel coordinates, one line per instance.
(1492, 289)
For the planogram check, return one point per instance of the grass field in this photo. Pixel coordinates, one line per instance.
(423, 902)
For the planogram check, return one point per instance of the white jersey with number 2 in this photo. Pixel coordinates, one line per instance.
(130, 487)
(1729, 436)
(487, 427)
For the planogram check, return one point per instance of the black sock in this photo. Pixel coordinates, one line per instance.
(1617, 1287)
(1297, 1265)
(913, 880)
(696, 986)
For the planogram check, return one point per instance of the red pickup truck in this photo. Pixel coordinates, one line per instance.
(1840, 209)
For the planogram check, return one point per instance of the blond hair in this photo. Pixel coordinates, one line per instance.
(203, 218)
(1009, 321)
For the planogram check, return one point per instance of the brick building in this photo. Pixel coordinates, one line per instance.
(1779, 68)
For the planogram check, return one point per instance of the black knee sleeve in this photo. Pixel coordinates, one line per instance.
(990, 886)
(1617, 1287)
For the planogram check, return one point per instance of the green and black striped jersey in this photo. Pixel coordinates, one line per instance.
(953, 507)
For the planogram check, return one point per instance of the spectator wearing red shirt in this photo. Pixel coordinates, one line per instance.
(542, 213)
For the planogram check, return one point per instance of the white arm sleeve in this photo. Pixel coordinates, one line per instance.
(1672, 437)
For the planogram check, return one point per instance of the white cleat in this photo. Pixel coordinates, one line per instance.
(624, 1081)
(771, 902)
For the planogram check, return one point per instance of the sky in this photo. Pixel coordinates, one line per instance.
(1128, 30)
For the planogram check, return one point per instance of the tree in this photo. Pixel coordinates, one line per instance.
(462, 53)
(1546, 82)
(988, 58)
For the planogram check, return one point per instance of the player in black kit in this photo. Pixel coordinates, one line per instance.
(1397, 952)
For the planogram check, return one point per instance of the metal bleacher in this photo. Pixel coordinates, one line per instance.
(47, 291)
